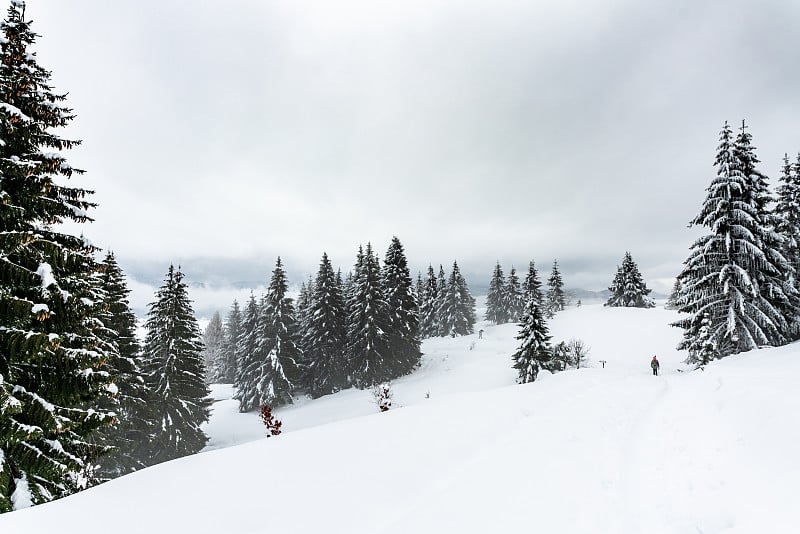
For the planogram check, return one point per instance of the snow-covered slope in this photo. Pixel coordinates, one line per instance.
(595, 450)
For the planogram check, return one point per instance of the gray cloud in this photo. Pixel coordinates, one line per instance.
(220, 136)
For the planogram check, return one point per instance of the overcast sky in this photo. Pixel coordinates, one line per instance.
(219, 135)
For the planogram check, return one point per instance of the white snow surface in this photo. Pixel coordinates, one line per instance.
(595, 450)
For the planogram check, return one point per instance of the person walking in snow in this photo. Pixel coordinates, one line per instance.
(655, 365)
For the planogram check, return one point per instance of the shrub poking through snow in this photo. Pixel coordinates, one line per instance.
(578, 352)
(382, 393)
(572, 353)
(273, 425)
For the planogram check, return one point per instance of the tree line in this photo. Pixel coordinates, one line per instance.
(506, 299)
(359, 330)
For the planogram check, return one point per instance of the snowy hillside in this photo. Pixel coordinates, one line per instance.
(595, 450)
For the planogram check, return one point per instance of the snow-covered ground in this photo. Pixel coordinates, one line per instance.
(464, 449)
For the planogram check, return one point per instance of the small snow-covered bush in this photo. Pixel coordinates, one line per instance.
(382, 394)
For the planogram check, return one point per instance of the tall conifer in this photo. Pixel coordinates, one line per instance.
(534, 352)
(248, 371)
(367, 324)
(227, 366)
(556, 298)
(532, 287)
(513, 297)
(628, 288)
(53, 373)
(441, 299)
(429, 319)
(496, 310)
(324, 337)
(174, 372)
(729, 269)
(130, 395)
(276, 348)
(402, 309)
(213, 348)
(458, 312)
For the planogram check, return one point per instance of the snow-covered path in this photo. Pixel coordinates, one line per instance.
(595, 450)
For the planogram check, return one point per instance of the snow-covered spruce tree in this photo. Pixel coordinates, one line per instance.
(368, 324)
(628, 288)
(495, 304)
(130, 393)
(247, 373)
(534, 352)
(174, 372)
(278, 343)
(722, 273)
(52, 362)
(674, 300)
(774, 284)
(532, 286)
(303, 306)
(513, 297)
(787, 212)
(227, 365)
(496, 310)
(403, 312)
(324, 337)
(428, 319)
(441, 300)
(213, 348)
(458, 311)
(556, 298)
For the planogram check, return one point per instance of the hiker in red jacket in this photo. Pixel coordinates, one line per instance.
(655, 365)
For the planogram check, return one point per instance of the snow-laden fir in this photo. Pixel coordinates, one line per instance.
(464, 449)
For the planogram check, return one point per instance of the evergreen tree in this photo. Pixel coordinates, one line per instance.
(174, 373)
(774, 281)
(304, 305)
(556, 298)
(53, 373)
(513, 297)
(248, 371)
(276, 349)
(532, 287)
(675, 297)
(129, 400)
(214, 348)
(722, 275)
(227, 366)
(534, 353)
(628, 288)
(325, 334)
(428, 317)
(458, 317)
(441, 300)
(340, 282)
(403, 315)
(496, 310)
(367, 324)
(787, 211)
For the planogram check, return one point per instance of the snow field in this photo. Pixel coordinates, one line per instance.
(595, 450)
